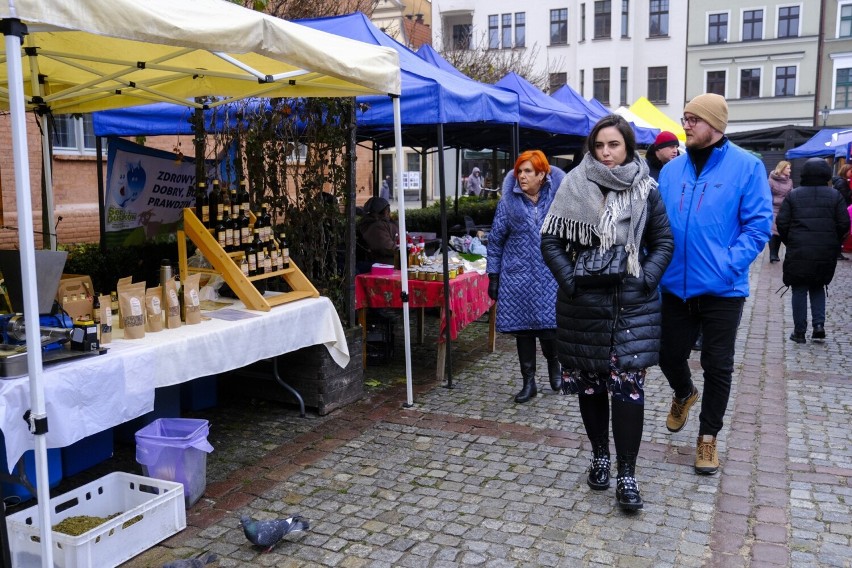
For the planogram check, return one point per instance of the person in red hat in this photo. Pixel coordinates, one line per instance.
(663, 150)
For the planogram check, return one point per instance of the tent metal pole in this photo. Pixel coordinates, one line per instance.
(13, 30)
(101, 192)
(442, 187)
(403, 257)
(47, 165)
(352, 145)
(457, 183)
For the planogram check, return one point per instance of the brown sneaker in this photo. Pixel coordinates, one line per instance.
(679, 412)
(706, 458)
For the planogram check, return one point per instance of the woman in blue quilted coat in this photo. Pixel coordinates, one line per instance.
(519, 281)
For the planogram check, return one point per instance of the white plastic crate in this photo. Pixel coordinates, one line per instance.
(160, 504)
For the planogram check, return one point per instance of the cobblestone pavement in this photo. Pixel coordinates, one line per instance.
(469, 478)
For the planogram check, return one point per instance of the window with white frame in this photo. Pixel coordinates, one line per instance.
(785, 81)
(603, 19)
(788, 21)
(750, 83)
(715, 82)
(843, 88)
(461, 36)
(717, 28)
(844, 20)
(507, 31)
(658, 18)
(559, 26)
(752, 25)
(493, 31)
(73, 134)
(600, 85)
(520, 29)
(658, 84)
(557, 81)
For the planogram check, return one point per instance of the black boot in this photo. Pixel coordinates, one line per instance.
(626, 490)
(600, 467)
(554, 369)
(774, 247)
(526, 355)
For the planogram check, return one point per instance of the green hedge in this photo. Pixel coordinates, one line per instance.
(428, 220)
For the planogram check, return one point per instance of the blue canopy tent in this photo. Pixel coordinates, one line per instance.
(427, 53)
(596, 111)
(544, 114)
(822, 145)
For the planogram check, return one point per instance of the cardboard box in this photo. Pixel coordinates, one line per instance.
(75, 295)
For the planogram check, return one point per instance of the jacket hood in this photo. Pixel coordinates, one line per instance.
(816, 172)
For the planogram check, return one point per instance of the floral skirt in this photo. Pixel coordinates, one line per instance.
(628, 386)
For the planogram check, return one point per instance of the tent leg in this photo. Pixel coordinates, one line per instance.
(442, 185)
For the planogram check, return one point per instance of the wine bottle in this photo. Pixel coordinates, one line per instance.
(229, 231)
(267, 260)
(96, 314)
(266, 235)
(251, 255)
(215, 201)
(221, 232)
(258, 224)
(285, 251)
(235, 223)
(243, 196)
(244, 267)
(225, 198)
(245, 229)
(202, 204)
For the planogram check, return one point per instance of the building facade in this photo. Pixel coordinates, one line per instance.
(834, 76)
(613, 50)
(762, 57)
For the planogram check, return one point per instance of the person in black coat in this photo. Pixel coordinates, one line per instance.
(609, 335)
(812, 222)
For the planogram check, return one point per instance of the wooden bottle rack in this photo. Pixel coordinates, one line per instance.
(225, 265)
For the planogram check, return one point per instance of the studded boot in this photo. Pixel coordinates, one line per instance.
(600, 467)
(554, 368)
(526, 356)
(626, 489)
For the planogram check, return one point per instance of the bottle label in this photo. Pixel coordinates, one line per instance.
(205, 213)
(244, 234)
(229, 237)
(223, 239)
(252, 263)
(244, 267)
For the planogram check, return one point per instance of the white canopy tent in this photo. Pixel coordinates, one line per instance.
(85, 55)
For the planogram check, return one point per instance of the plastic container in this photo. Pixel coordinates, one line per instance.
(156, 508)
(86, 453)
(175, 449)
(54, 471)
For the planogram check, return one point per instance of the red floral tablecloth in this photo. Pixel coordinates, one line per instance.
(468, 296)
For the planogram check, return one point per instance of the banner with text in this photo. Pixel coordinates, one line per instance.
(147, 190)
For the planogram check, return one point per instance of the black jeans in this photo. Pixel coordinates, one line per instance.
(718, 319)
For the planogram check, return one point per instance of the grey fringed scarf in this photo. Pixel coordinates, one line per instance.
(579, 211)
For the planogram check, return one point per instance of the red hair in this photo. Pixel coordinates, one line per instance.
(536, 158)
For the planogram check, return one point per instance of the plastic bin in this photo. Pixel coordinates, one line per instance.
(149, 510)
(86, 453)
(175, 449)
(54, 471)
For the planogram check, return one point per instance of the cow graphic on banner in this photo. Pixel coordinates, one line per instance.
(147, 190)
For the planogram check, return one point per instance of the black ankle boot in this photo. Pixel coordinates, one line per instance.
(528, 391)
(554, 368)
(626, 490)
(526, 356)
(600, 467)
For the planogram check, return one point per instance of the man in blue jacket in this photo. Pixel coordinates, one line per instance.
(720, 209)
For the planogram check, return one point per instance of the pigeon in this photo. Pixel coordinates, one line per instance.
(198, 561)
(268, 533)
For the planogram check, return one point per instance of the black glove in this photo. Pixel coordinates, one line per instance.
(493, 285)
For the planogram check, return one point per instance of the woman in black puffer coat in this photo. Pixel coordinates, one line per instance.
(609, 335)
(812, 222)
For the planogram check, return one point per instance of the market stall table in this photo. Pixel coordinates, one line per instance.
(468, 302)
(89, 395)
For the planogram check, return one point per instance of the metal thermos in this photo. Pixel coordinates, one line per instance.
(165, 270)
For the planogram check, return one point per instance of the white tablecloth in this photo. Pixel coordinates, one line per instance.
(88, 395)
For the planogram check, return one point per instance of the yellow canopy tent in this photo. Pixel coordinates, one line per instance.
(86, 55)
(645, 109)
